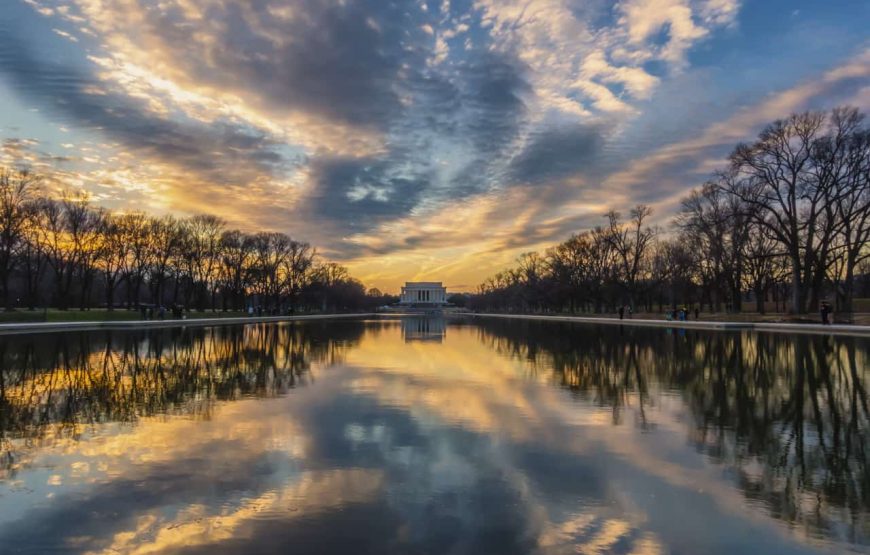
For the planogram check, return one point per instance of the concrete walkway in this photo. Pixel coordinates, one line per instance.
(835, 329)
(46, 327)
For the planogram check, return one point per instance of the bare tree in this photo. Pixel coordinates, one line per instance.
(134, 228)
(32, 256)
(52, 227)
(202, 256)
(715, 222)
(843, 158)
(113, 253)
(277, 261)
(631, 242)
(763, 264)
(16, 193)
(83, 223)
(166, 238)
(774, 177)
(236, 253)
(296, 270)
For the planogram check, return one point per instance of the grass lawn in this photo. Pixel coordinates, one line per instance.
(96, 315)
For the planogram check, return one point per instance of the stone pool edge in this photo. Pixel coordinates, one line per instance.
(833, 329)
(48, 327)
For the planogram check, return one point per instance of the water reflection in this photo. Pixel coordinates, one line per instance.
(788, 418)
(114, 376)
(497, 437)
(424, 328)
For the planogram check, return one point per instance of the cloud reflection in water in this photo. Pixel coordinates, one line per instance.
(500, 437)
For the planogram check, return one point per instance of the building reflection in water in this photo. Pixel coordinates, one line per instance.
(513, 437)
(424, 328)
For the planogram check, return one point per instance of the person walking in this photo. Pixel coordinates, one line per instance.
(825, 310)
(621, 312)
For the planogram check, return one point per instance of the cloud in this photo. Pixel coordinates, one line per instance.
(338, 64)
(568, 49)
(223, 152)
(478, 236)
(556, 152)
(492, 101)
(361, 126)
(357, 194)
(318, 59)
(223, 89)
(671, 166)
(636, 81)
(644, 19)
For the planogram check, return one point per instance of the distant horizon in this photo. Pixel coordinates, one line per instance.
(417, 141)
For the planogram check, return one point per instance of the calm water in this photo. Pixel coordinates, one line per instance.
(426, 436)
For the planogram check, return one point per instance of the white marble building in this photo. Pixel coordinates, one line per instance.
(423, 293)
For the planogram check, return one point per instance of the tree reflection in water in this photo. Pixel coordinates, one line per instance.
(404, 429)
(788, 416)
(53, 384)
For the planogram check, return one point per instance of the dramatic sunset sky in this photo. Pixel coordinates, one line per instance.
(411, 139)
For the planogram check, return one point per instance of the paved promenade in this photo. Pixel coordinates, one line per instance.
(53, 327)
(838, 329)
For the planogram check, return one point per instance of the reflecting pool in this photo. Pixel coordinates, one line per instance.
(433, 436)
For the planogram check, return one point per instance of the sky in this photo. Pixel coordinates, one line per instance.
(411, 140)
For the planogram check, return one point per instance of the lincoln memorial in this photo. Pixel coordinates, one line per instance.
(423, 294)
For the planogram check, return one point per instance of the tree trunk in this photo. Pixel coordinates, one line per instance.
(759, 298)
(157, 292)
(849, 290)
(796, 305)
(4, 293)
(110, 294)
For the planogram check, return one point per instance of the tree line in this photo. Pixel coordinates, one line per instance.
(67, 252)
(786, 220)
